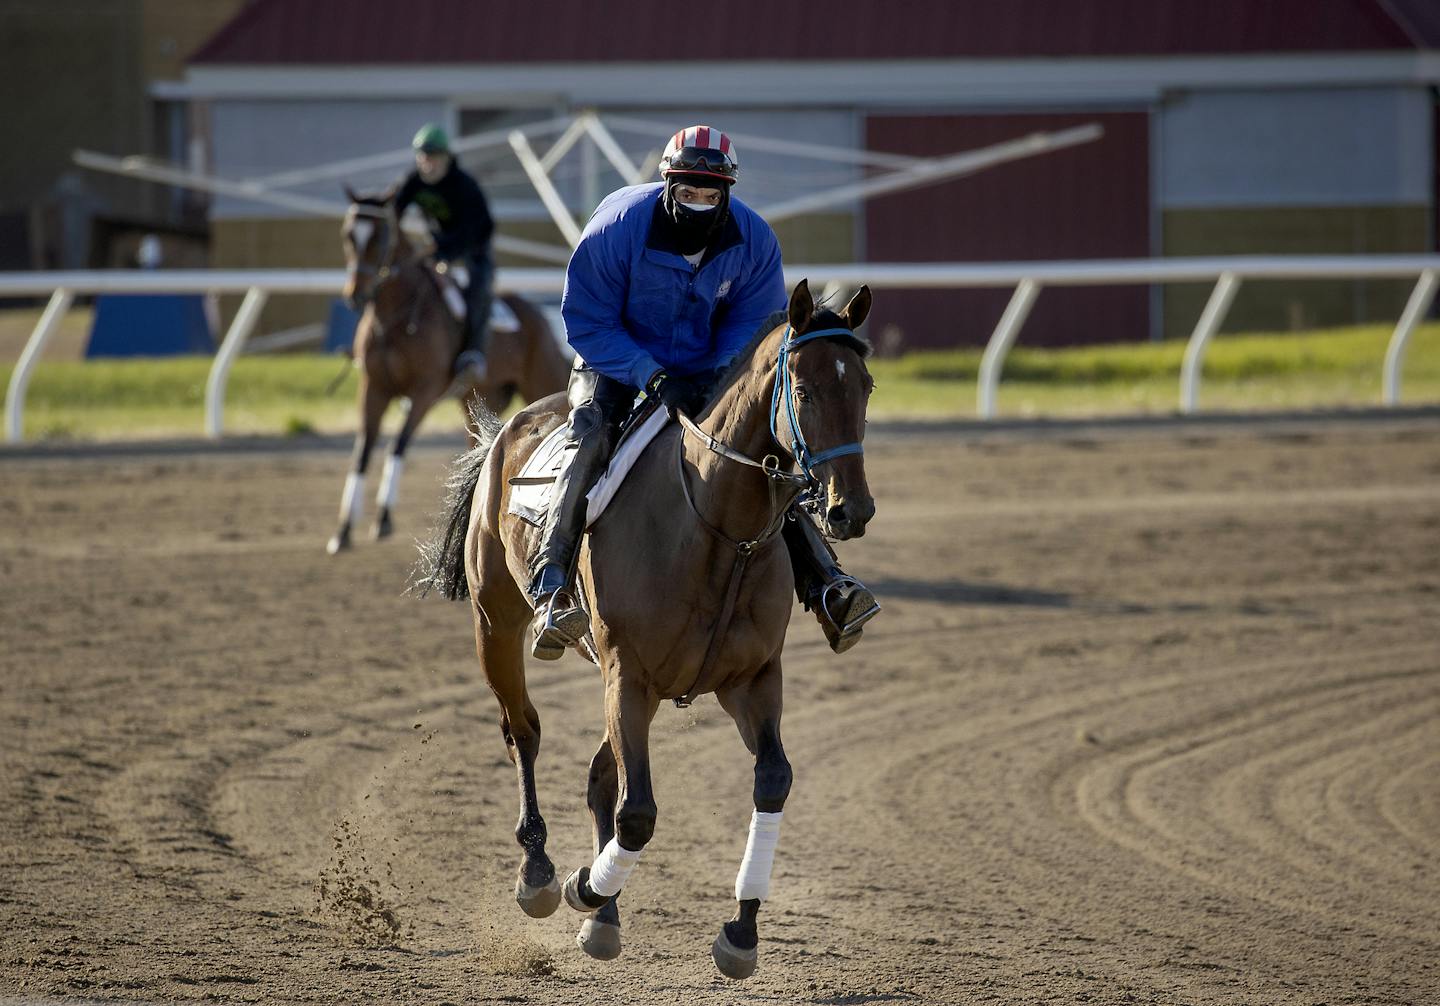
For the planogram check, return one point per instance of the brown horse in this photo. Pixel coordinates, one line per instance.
(688, 589)
(405, 347)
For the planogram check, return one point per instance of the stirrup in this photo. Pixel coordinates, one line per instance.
(843, 606)
(557, 628)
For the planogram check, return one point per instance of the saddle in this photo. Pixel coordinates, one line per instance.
(530, 488)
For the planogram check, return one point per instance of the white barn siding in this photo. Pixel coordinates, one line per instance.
(1327, 147)
(251, 138)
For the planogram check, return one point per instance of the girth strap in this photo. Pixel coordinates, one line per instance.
(727, 612)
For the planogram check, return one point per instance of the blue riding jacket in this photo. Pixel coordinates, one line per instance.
(632, 307)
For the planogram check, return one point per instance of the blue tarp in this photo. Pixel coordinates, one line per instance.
(340, 331)
(149, 325)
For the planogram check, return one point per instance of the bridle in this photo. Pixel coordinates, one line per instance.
(785, 391)
(807, 486)
(807, 489)
(385, 271)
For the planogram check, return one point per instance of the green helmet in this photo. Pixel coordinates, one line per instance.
(432, 139)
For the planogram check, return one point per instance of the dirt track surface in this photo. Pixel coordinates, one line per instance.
(1150, 717)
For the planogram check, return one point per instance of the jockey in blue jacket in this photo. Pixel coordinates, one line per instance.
(669, 282)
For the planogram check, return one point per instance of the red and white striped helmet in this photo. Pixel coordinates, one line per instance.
(700, 150)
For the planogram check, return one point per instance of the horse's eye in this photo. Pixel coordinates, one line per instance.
(801, 395)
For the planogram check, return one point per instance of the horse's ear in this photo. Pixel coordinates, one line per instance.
(802, 306)
(858, 309)
(388, 196)
(350, 193)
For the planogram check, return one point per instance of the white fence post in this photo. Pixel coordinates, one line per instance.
(1004, 336)
(1420, 300)
(1205, 329)
(549, 195)
(49, 321)
(240, 330)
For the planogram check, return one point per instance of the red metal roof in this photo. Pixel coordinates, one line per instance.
(526, 31)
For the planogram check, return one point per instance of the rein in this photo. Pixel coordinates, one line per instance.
(804, 482)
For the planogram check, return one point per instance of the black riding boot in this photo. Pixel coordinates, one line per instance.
(841, 603)
(560, 621)
(479, 296)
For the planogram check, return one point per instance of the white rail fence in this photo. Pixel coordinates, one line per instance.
(1028, 279)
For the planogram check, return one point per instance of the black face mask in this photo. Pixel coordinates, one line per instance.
(691, 230)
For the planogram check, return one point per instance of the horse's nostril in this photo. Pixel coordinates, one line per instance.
(836, 514)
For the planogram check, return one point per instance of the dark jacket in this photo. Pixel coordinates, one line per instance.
(455, 207)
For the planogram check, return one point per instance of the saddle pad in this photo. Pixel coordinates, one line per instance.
(530, 489)
(502, 319)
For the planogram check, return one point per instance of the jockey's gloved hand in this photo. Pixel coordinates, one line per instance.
(678, 394)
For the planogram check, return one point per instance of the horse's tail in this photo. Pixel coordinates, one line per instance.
(442, 556)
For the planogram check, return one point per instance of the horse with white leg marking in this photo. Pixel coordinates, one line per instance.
(405, 346)
(695, 523)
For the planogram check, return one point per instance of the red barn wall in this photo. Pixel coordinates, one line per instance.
(1091, 201)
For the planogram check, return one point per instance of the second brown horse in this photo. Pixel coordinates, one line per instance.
(405, 347)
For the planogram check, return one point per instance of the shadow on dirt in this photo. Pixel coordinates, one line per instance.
(962, 592)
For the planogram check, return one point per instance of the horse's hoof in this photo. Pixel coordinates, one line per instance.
(383, 527)
(575, 897)
(600, 940)
(538, 902)
(339, 543)
(731, 960)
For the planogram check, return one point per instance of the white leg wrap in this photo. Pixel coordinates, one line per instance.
(390, 481)
(612, 868)
(753, 880)
(353, 502)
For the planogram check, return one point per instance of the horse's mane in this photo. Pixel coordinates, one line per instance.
(823, 318)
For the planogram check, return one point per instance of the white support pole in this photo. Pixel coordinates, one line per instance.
(937, 170)
(610, 147)
(1416, 308)
(749, 141)
(1210, 319)
(395, 158)
(1004, 336)
(240, 330)
(548, 193)
(49, 321)
(562, 144)
(649, 165)
(589, 179)
(138, 167)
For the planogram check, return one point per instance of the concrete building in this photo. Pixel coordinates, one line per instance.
(1232, 126)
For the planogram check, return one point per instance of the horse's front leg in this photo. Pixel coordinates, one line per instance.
(373, 402)
(394, 464)
(755, 707)
(500, 648)
(629, 708)
(600, 934)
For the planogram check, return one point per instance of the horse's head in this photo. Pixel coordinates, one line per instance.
(368, 237)
(819, 407)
